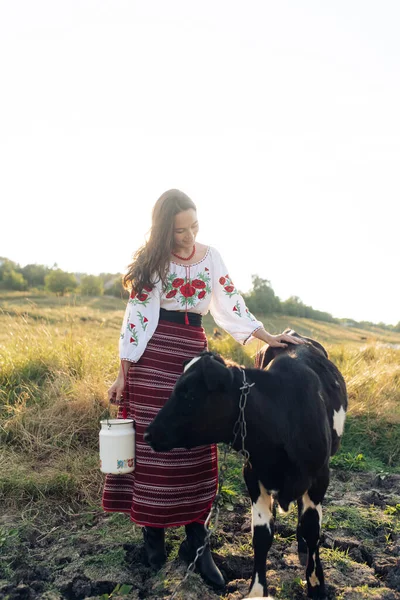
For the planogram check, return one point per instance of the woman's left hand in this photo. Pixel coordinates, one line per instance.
(277, 341)
(282, 339)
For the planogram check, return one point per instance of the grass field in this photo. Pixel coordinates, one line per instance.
(58, 356)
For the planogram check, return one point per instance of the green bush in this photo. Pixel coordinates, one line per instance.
(60, 282)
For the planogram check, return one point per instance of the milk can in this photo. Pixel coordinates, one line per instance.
(117, 446)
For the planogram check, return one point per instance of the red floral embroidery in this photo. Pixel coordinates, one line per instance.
(187, 290)
(142, 298)
(177, 282)
(229, 286)
(133, 334)
(198, 284)
(147, 288)
(206, 269)
(236, 309)
(143, 320)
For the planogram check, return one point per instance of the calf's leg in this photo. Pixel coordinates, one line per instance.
(262, 531)
(301, 542)
(310, 530)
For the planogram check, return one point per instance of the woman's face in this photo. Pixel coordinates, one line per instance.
(186, 227)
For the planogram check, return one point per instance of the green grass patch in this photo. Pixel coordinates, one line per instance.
(336, 558)
(70, 478)
(115, 557)
(369, 443)
(233, 482)
(119, 590)
(294, 588)
(365, 592)
(362, 522)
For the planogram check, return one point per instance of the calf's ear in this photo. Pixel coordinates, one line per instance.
(216, 375)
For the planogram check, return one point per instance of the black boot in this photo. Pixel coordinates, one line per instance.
(154, 545)
(195, 536)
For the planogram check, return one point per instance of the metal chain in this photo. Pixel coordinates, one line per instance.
(240, 426)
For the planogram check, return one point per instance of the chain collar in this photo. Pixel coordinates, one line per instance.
(240, 425)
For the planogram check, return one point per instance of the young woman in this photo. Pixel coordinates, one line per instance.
(174, 281)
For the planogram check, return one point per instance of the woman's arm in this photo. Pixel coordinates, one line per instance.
(276, 341)
(117, 389)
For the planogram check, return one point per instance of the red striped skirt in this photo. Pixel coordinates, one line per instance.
(167, 488)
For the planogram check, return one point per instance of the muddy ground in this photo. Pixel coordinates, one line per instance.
(59, 553)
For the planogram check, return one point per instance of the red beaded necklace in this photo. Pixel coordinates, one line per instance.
(185, 258)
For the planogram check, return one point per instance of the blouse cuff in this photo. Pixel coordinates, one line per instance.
(249, 336)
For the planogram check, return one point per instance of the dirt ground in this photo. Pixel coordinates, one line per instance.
(54, 552)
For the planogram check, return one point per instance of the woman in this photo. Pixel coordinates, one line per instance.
(174, 280)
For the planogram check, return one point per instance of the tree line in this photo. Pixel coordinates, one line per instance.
(55, 280)
(261, 299)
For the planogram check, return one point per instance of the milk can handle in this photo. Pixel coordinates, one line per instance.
(124, 409)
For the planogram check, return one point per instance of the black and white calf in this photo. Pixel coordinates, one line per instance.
(295, 416)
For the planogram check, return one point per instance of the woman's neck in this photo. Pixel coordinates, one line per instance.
(200, 253)
(183, 252)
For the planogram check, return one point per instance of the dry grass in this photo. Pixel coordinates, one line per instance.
(372, 375)
(57, 361)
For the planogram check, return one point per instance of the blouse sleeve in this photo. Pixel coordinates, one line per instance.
(227, 306)
(139, 323)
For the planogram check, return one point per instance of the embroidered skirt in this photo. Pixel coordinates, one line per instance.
(167, 488)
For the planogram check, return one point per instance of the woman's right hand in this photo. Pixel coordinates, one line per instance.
(116, 390)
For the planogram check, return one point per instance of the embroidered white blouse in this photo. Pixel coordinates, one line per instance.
(198, 288)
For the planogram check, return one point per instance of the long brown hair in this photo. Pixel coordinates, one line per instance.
(150, 262)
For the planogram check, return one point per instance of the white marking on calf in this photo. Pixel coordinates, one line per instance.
(257, 589)
(313, 577)
(262, 510)
(259, 598)
(308, 503)
(191, 363)
(338, 420)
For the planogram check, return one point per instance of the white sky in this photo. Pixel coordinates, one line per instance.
(280, 119)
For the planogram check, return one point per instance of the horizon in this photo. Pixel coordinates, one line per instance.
(280, 121)
(82, 273)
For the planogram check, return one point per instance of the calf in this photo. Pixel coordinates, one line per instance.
(294, 417)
